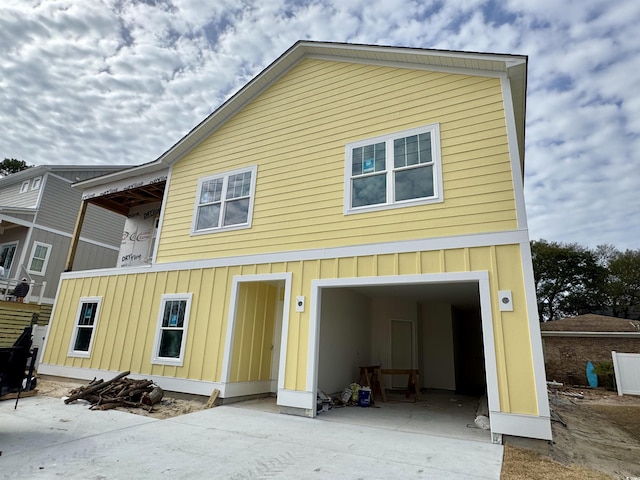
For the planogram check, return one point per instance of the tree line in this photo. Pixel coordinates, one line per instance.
(573, 280)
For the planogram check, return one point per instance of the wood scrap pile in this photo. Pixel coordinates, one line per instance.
(118, 392)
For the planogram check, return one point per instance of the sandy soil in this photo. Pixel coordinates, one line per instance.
(601, 439)
(168, 407)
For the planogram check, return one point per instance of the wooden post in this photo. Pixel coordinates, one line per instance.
(76, 236)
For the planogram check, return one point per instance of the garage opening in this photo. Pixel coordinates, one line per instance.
(434, 329)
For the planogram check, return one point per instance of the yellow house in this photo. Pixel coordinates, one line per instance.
(352, 205)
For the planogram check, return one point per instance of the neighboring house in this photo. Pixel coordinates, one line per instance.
(352, 205)
(38, 212)
(570, 343)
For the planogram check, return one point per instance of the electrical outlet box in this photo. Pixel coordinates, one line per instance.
(505, 301)
(300, 303)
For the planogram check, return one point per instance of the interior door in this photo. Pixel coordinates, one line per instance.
(401, 350)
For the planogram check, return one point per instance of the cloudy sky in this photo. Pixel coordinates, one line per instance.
(120, 81)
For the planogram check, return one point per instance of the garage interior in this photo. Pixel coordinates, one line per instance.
(435, 328)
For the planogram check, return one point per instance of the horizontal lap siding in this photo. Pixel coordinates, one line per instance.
(296, 132)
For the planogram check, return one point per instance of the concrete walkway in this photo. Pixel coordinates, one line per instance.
(44, 438)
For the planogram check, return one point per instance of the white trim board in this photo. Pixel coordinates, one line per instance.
(520, 425)
(514, 154)
(182, 385)
(195, 387)
(510, 237)
(537, 351)
(558, 333)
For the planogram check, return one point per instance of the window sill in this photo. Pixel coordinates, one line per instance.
(79, 354)
(174, 362)
(391, 206)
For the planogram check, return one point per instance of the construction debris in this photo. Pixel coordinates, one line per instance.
(118, 392)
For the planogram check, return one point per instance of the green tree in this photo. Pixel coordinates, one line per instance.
(623, 283)
(12, 165)
(569, 280)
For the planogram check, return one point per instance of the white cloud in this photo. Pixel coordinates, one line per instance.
(120, 81)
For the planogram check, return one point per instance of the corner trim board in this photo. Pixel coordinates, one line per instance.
(521, 425)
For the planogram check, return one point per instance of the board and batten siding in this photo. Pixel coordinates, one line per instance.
(296, 132)
(128, 317)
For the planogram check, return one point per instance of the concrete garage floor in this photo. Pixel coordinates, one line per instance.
(44, 438)
(439, 413)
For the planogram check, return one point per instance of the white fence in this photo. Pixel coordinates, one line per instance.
(627, 370)
(38, 333)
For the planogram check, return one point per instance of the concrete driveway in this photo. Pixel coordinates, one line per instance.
(44, 438)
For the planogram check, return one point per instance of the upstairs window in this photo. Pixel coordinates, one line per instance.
(225, 201)
(393, 171)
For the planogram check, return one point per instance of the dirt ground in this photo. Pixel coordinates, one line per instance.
(601, 439)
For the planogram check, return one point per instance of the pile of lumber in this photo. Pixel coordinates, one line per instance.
(118, 392)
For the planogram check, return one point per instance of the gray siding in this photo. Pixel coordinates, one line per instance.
(103, 226)
(88, 256)
(59, 205)
(27, 217)
(57, 258)
(10, 196)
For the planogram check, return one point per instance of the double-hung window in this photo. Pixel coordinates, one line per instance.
(393, 170)
(39, 258)
(171, 333)
(85, 326)
(225, 201)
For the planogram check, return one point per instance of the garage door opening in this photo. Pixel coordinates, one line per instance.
(435, 328)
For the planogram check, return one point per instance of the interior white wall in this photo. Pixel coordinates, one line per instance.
(345, 338)
(438, 369)
(383, 310)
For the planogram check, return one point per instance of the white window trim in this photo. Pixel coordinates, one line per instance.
(24, 188)
(438, 197)
(46, 258)
(7, 270)
(155, 358)
(82, 353)
(254, 170)
(36, 183)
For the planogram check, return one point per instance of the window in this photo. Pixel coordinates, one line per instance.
(84, 328)
(225, 201)
(7, 252)
(171, 334)
(393, 171)
(36, 183)
(25, 186)
(39, 258)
